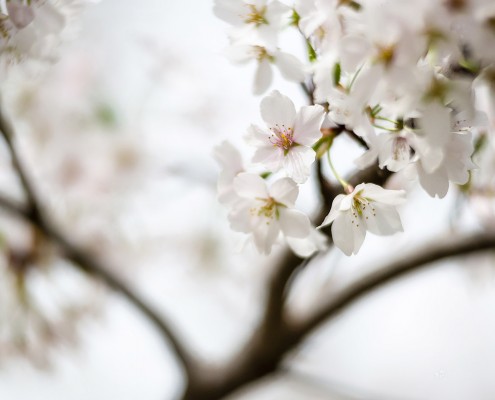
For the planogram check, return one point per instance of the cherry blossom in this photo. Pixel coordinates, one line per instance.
(230, 160)
(260, 17)
(406, 89)
(368, 207)
(454, 166)
(265, 213)
(289, 66)
(286, 143)
(34, 29)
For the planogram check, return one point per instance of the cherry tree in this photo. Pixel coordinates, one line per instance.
(411, 84)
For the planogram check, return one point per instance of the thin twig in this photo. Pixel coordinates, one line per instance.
(7, 132)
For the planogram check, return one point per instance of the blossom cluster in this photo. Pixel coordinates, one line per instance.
(34, 29)
(405, 79)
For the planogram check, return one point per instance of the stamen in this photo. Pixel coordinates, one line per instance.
(255, 16)
(282, 137)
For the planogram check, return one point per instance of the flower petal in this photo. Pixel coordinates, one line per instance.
(294, 223)
(307, 246)
(256, 136)
(290, 67)
(435, 184)
(265, 235)
(239, 54)
(334, 210)
(271, 157)
(382, 220)
(240, 217)
(229, 11)
(284, 191)
(277, 109)
(385, 196)
(307, 125)
(250, 186)
(347, 236)
(262, 77)
(298, 161)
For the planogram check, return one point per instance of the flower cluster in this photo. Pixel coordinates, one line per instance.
(407, 88)
(33, 29)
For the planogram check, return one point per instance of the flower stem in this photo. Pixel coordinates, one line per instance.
(354, 78)
(346, 185)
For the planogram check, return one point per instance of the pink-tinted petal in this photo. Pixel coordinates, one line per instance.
(21, 15)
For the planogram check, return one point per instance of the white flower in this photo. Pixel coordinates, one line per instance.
(262, 17)
(265, 213)
(230, 161)
(287, 143)
(34, 29)
(454, 166)
(307, 246)
(289, 66)
(393, 150)
(368, 208)
(320, 20)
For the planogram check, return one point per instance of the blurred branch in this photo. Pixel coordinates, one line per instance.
(308, 90)
(6, 131)
(79, 257)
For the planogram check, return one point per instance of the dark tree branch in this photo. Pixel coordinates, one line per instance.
(326, 189)
(417, 259)
(33, 214)
(265, 353)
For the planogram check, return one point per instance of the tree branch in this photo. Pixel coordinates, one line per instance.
(7, 132)
(417, 259)
(264, 353)
(80, 258)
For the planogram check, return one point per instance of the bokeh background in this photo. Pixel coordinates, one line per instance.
(147, 83)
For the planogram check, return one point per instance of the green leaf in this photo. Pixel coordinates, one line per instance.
(337, 71)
